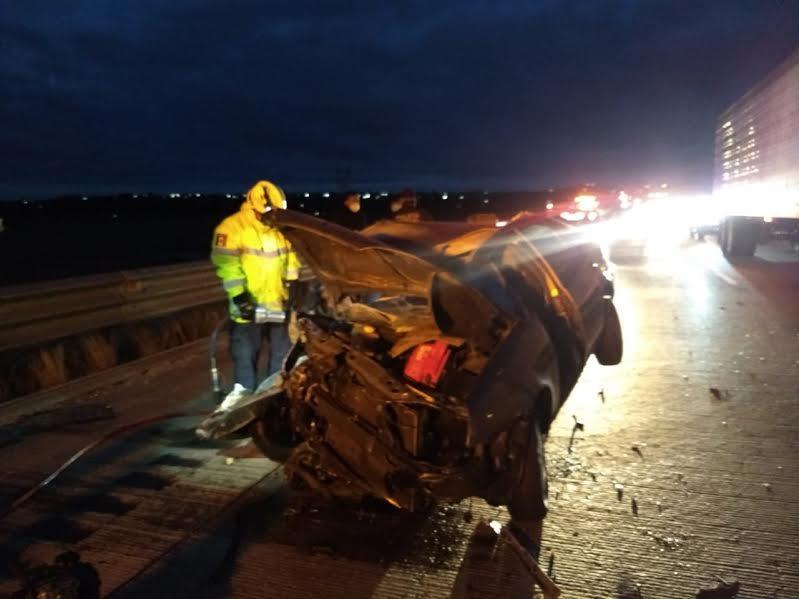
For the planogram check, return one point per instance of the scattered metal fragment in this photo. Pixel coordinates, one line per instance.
(551, 565)
(468, 514)
(634, 505)
(719, 394)
(665, 543)
(637, 450)
(578, 426)
(602, 395)
(724, 590)
(767, 487)
(619, 490)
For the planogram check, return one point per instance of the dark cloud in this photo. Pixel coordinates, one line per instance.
(150, 94)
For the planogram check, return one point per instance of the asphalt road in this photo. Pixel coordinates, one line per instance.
(685, 472)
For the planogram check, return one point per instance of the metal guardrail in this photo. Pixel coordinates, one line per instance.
(31, 314)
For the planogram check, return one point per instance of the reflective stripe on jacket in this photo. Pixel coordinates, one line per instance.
(251, 256)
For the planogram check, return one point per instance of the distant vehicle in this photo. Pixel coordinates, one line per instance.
(437, 361)
(757, 163)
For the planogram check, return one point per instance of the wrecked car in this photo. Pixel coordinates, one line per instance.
(433, 359)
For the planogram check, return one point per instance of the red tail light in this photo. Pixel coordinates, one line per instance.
(426, 363)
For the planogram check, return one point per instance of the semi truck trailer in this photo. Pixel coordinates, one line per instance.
(756, 175)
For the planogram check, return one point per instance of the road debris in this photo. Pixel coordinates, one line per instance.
(68, 576)
(719, 394)
(601, 395)
(619, 490)
(548, 587)
(578, 426)
(724, 590)
(637, 450)
(634, 505)
(666, 543)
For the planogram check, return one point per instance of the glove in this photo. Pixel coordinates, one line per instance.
(293, 328)
(245, 306)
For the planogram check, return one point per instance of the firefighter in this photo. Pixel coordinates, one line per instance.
(257, 265)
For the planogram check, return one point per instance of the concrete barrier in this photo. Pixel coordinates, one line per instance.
(33, 314)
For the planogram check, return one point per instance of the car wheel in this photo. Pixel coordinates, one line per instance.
(610, 346)
(272, 433)
(528, 497)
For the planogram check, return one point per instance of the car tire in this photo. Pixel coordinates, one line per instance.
(272, 433)
(610, 346)
(528, 496)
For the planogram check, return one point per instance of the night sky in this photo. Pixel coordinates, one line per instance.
(190, 95)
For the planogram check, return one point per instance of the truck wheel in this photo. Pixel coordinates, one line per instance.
(739, 235)
(610, 347)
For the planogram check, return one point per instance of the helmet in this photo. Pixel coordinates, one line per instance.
(264, 196)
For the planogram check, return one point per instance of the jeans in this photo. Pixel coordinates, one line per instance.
(245, 347)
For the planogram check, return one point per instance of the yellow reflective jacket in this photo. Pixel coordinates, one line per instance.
(254, 257)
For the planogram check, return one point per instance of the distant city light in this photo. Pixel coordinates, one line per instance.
(664, 186)
(84, 198)
(550, 205)
(326, 195)
(366, 196)
(196, 195)
(135, 195)
(384, 193)
(727, 124)
(115, 215)
(485, 201)
(302, 205)
(501, 223)
(227, 195)
(768, 219)
(316, 213)
(307, 195)
(460, 197)
(444, 196)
